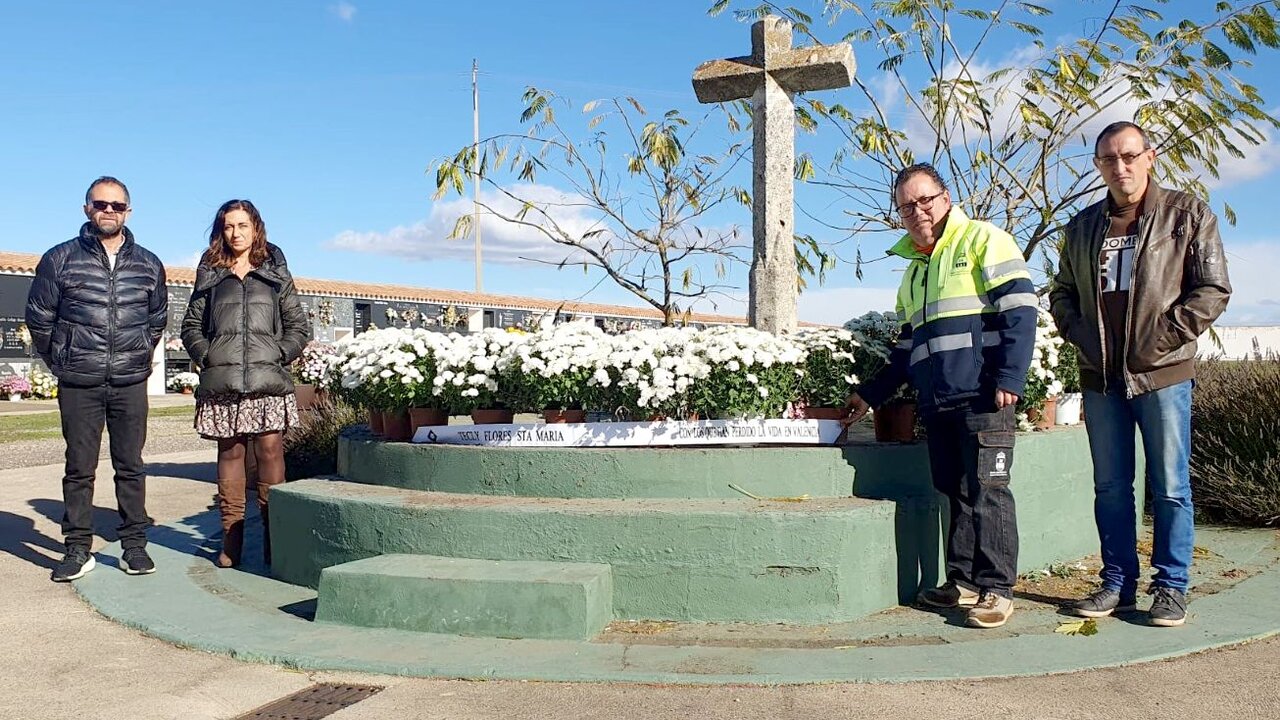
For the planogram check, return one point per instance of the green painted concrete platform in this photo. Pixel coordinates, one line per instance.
(250, 616)
(827, 559)
(684, 541)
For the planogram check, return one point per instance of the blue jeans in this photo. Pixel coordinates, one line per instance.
(1164, 418)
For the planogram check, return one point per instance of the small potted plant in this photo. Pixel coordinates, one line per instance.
(470, 374)
(312, 373)
(752, 374)
(830, 373)
(876, 334)
(15, 387)
(550, 371)
(1071, 404)
(1038, 405)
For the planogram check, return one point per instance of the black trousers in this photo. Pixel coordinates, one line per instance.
(971, 458)
(123, 410)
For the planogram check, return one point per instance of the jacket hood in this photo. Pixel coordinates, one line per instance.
(274, 270)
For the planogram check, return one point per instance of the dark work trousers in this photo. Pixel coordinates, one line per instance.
(124, 412)
(971, 458)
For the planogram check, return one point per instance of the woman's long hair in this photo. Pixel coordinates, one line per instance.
(219, 253)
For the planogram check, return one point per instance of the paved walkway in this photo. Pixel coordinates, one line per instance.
(71, 662)
(27, 406)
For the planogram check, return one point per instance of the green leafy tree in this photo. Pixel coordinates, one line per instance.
(648, 209)
(1016, 139)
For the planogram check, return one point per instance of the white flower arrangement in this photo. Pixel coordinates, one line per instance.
(830, 371)
(553, 368)
(315, 365)
(723, 372)
(876, 334)
(1042, 376)
(184, 381)
(44, 385)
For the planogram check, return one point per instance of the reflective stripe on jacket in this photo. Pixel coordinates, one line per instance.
(969, 318)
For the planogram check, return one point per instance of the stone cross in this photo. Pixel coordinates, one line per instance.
(770, 76)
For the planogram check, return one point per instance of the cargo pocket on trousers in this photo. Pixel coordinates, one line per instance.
(995, 457)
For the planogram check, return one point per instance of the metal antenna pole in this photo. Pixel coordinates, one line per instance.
(475, 173)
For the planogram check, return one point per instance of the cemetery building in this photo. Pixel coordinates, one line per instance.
(337, 309)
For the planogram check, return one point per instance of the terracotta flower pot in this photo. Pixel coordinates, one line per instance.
(1045, 417)
(427, 417)
(186, 391)
(395, 425)
(375, 421)
(305, 395)
(551, 415)
(492, 416)
(822, 413)
(895, 422)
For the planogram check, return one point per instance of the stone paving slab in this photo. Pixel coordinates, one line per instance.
(252, 617)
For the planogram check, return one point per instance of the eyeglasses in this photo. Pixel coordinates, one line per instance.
(1126, 158)
(102, 205)
(919, 206)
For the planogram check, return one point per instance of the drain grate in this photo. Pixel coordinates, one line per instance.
(313, 703)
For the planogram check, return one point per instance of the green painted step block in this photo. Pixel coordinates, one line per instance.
(463, 596)
(595, 472)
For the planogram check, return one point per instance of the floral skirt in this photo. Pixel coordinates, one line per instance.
(232, 415)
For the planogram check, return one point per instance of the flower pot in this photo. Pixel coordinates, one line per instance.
(822, 413)
(1070, 409)
(427, 417)
(375, 421)
(16, 397)
(551, 415)
(305, 395)
(492, 416)
(186, 391)
(395, 425)
(895, 422)
(1043, 417)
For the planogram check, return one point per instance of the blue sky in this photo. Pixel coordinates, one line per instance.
(328, 114)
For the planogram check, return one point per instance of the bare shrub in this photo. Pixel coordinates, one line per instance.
(1235, 441)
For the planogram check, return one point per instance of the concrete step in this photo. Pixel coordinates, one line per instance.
(821, 560)
(596, 472)
(465, 596)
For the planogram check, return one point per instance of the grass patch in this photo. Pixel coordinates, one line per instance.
(28, 427)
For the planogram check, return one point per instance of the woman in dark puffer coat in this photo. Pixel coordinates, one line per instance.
(243, 327)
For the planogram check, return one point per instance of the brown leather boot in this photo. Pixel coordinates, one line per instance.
(266, 537)
(232, 544)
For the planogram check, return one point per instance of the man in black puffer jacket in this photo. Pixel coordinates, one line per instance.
(96, 311)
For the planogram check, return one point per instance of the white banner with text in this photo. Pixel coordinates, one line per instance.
(666, 433)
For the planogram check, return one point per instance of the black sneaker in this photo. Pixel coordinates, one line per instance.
(136, 561)
(1102, 603)
(75, 564)
(948, 595)
(1169, 608)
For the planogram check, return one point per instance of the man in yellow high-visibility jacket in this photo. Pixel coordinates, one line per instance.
(969, 322)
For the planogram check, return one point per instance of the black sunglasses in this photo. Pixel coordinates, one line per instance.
(102, 205)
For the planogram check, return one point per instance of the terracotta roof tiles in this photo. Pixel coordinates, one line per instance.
(25, 264)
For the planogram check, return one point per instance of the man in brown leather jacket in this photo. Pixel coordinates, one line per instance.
(1141, 275)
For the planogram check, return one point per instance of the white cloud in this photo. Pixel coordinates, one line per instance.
(1258, 160)
(344, 10)
(835, 306)
(1255, 299)
(187, 261)
(501, 241)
